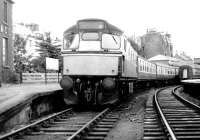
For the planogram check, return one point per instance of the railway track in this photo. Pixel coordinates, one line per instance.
(67, 125)
(170, 116)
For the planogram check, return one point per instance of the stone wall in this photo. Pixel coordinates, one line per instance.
(6, 32)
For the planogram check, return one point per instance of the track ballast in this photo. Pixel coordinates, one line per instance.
(68, 125)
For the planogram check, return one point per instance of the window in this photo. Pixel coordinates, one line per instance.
(5, 29)
(5, 10)
(5, 51)
(1, 28)
(90, 36)
(125, 45)
(71, 41)
(110, 41)
(91, 25)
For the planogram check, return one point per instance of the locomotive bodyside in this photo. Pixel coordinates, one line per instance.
(129, 61)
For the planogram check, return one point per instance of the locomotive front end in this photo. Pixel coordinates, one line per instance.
(91, 64)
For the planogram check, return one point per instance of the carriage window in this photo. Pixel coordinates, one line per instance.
(110, 41)
(71, 41)
(90, 36)
(140, 67)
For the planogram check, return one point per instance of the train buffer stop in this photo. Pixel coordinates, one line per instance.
(14, 96)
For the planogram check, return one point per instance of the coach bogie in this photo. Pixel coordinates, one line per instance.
(90, 90)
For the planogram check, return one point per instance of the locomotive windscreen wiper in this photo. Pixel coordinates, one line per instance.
(114, 39)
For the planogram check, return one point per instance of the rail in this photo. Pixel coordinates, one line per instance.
(34, 124)
(171, 133)
(87, 125)
(183, 99)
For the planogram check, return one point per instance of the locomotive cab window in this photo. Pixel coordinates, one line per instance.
(110, 41)
(71, 41)
(90, 41)
(90, 36)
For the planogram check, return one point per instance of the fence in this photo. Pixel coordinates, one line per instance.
(40, 77)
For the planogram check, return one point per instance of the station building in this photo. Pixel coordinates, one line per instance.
(6, 39)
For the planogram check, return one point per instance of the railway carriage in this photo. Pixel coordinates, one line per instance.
(166, 72)
(99, 64)
(190, 71)
(146, 69)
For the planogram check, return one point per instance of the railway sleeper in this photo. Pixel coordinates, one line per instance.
(186, 133)
(155, 138)
(152, 133)
(184, 122)
(188, 137)
(58, 129)
(93, 138)
(152, 130)
(186, 129)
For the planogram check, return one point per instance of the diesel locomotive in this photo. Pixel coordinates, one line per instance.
(100, 65)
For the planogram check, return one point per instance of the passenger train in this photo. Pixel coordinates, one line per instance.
(99, 64)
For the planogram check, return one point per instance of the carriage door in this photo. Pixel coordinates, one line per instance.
(185, 73)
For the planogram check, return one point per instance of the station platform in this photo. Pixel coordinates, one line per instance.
(13, 95)
(191, 86)
(191, 81)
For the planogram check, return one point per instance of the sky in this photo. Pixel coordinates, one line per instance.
(180, 18)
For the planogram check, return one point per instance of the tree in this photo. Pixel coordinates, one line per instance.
(133, 44)
(47, 48)
(22, 61)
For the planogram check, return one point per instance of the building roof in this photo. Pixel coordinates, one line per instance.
(183, 56)
(163, 58)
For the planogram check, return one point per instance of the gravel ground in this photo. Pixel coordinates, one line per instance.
(130, 125)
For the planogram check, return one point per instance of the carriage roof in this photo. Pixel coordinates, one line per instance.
(109, 28)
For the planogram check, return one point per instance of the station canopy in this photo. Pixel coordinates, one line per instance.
(163, 57)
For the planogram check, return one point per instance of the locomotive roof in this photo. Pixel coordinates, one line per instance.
(108, 29)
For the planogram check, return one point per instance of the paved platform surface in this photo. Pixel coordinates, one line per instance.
(12, 95)
(191, 81)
